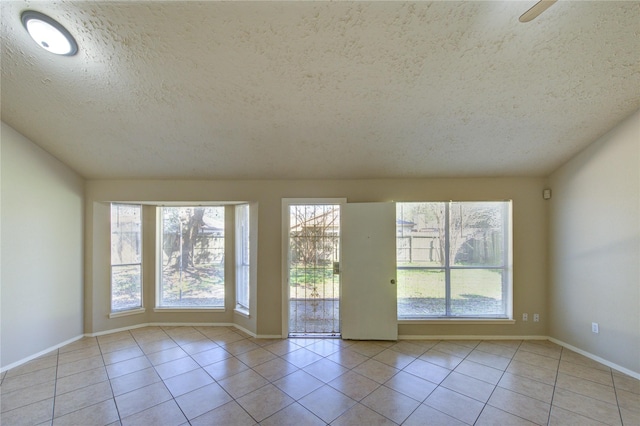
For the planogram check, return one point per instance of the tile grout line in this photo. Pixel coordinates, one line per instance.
(154, 369)
(498, 382)
(212, 378)
(555, 385)
(188, 355)
(113, 396)
(173, 398)
(615, 392)
(451, 371)
(325, 357)
(374, 390)
(438, 385)
(55, 387)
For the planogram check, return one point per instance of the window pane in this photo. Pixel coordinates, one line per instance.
(420, 229)
(242, 256)
(477, 292)
(125, 287)
(126, 231)
(126, 255)
(192, 252)
(421, 292)
(476, 234)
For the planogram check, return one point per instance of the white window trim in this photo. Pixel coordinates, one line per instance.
(450, 321)
(127, 312)
(242, 311)
(187, 308)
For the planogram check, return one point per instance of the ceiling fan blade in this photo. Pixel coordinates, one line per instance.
(536, 10)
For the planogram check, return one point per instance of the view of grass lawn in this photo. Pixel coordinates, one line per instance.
(421, 292)
(418, 283)
(313, 282)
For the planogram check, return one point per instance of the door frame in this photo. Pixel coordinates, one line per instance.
(286, 202)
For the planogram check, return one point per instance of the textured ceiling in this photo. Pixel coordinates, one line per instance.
(232, 90)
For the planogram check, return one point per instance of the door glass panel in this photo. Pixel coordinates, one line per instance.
(314, 286)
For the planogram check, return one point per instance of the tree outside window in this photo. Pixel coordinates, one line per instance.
(192, 253)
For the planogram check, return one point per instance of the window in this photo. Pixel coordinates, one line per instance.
(191, 257)
(126, 257)
(242, 258)
(454, 260)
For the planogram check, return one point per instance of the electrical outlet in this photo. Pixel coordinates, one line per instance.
(595, 328)
(536, 318)
(525, 317)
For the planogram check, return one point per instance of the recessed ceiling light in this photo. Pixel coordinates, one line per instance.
(49, 34)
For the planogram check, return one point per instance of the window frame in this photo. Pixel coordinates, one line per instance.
(113, 313)
(506, 267)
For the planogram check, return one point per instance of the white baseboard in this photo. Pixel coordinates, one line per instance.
(244, 330)
(468, 337)
(163, 324)
(39, 354)
(269, 336)
(610, 364)
(185, 324)
(115, 330)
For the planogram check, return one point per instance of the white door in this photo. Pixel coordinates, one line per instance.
(369, 307)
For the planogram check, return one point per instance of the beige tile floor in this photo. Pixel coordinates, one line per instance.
(219, 376)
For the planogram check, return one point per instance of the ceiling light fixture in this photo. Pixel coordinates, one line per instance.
(49, 34)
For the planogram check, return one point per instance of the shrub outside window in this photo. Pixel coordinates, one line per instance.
(454, 260)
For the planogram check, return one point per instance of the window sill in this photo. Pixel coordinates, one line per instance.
(449, 321)
(128, 312)
(188, 309)
(242, 312)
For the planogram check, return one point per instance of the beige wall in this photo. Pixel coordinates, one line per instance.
(42, 261)
(594, 241)
(595, 247)
(530, 230)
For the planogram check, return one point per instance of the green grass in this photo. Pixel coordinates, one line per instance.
(412, 284)
(473, 292)
(420, 283)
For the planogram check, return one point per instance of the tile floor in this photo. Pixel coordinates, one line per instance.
(219, 376)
